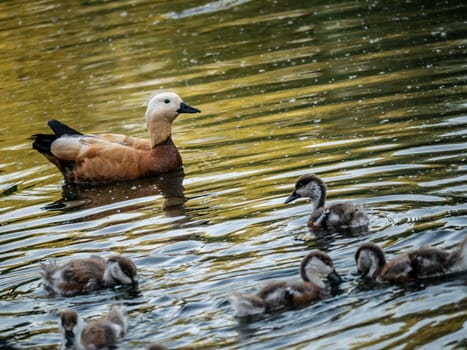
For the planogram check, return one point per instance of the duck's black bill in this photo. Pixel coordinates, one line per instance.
(292, 197)
(70, 338)
(184, 108)
(334, 277)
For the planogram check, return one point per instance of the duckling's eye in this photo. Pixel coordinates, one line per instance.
(167, 101)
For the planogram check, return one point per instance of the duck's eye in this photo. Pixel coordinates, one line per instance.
(167, 101)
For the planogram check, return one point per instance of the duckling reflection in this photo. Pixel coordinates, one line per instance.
(424, 262)
(85, 196)
(347, 216)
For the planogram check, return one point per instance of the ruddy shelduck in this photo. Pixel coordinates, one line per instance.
(114, 157)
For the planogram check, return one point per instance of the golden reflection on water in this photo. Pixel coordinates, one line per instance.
(368, 95)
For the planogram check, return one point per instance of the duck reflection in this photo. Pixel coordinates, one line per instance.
(86, 196)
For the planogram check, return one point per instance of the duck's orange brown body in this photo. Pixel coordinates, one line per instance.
(106, 161)
(113, 157)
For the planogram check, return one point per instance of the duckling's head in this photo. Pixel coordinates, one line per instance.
(369, 259)
(309, 186)
(317, 265)
(71, 327)
(161, 111)
(121, 269)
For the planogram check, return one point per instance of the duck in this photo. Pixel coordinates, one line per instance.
(84, 158)
(97, 334)
(424, 262)
(338, 216)
(278, 295)
(80, 276)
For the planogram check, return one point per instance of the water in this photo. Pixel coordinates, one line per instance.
(369, 95)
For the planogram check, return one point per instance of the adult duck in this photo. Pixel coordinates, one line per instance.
(113, 157)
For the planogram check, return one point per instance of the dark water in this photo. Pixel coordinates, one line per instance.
(370, 95)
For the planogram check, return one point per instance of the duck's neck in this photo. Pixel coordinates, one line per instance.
(315, 280)
(320, 202)
(77, 331)
(160, 131)
(375, 268)
(318, 196)
(108, 278)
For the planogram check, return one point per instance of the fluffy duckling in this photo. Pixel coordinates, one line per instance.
(112, 157)
(337, 216)
(418, 263)
(80, 276)
(97, 334)
(281, 294)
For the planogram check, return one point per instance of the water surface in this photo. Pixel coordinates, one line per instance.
(369, 95)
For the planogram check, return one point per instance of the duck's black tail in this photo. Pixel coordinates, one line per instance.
(61, 129)
(42, 142)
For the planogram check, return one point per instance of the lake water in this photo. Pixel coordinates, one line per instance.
(370, 95)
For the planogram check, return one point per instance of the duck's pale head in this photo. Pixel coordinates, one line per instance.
(120, 269)
(309, 186)
(70, 326)
(317, 265)
(161, 111)
(370, 259)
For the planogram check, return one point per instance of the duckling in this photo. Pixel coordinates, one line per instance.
(337, 216)
(80, 276)
(113, 157)
(277, 295)
(423, 262)
(97, 334)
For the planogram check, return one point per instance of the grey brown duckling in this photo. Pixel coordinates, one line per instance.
(277, 295)
(80, 276)
(338, 216)
(415, 264)
(96, 334)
